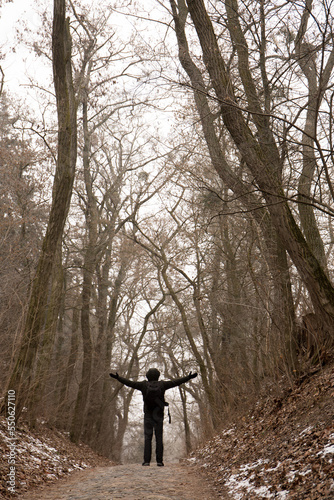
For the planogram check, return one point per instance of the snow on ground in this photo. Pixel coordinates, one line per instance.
(283, 449)
(30, 459)
(259, 479)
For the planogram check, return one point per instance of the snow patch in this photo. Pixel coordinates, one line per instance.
(307, 430)
(328, 449)
(237, 487)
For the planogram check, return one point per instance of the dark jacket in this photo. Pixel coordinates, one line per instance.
(142, 387)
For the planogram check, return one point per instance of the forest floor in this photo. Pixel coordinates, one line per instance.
(282, 449)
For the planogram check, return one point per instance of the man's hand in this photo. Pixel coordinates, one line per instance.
(192, 375)
(114, 375)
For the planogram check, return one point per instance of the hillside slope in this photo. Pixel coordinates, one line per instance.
(283, 449)
(39, 458)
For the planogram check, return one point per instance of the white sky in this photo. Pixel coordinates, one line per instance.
(17, 63)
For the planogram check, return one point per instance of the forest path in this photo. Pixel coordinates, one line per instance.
(129, 482)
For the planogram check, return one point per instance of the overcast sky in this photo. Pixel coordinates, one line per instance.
(17, 61)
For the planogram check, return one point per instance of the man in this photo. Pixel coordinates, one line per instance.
(153, 392)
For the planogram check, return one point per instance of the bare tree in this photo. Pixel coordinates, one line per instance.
(22, 218)
(22, 376)
(252, 128)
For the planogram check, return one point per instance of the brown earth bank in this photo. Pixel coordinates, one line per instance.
(282, 449)
(40, 457)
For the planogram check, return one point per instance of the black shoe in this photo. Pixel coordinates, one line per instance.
(160, 464)
(146, 463)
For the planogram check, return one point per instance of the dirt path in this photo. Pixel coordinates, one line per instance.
(130, 482)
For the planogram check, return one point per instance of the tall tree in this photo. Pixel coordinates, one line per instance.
(22, 376)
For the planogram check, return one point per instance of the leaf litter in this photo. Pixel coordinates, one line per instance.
(282, 449)
(41, 457)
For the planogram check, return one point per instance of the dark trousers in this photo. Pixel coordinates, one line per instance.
(153, 422)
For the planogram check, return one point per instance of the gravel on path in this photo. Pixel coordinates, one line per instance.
(129, 482)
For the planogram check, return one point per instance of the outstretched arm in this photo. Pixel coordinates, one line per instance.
(127, 382)
(169, 384)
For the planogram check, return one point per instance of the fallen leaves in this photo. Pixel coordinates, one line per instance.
(283, 449)
(41, 457)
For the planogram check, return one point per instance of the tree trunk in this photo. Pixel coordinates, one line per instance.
(47, 341)
(187, 432)
(62, 416)
(101, 357)
(117, 444)
(306, 57)
(88, 272)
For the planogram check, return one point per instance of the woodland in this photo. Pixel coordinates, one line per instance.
(166, 199)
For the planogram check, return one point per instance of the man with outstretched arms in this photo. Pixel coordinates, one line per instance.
(153, 391)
